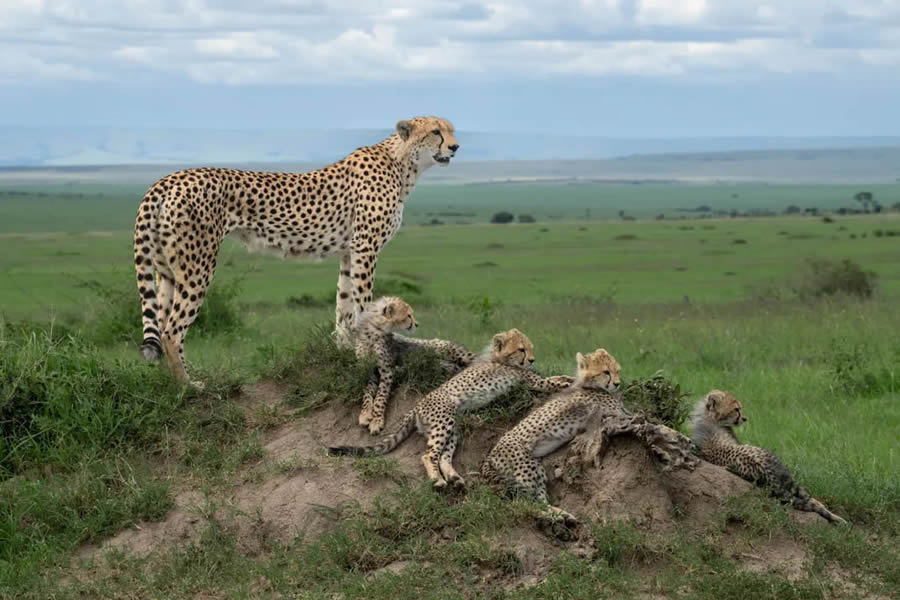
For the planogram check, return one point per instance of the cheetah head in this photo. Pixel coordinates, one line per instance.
(598, 370)
(429, 140)
(390, 313)
(512, 348)
(722, 408)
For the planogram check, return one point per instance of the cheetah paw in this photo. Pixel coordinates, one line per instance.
(365, 417)
(376, 426)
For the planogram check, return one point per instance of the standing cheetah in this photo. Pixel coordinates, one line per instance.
(712, 425)
(350, 209)
(514, 462)
(375, 334)
(505, 363)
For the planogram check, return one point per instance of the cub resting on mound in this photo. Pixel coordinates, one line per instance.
(505, 363)
(514, 462)
(375, 335)
(712, 424)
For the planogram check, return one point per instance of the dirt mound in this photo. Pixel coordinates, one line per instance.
(297, 490)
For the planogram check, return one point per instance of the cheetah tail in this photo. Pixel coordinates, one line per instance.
(151, 348)
(803, 501)
(404, 430)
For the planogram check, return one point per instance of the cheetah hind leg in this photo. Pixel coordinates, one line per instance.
(445, 464)
(431, 460)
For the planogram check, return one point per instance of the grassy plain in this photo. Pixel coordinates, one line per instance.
(95, 440)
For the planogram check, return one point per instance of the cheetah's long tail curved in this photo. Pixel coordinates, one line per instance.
(389, 443)
(144, 246)
(803, 501)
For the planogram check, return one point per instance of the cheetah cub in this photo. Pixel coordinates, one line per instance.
(712, 426)
(514, 462)
(502, 365)
(375, 334)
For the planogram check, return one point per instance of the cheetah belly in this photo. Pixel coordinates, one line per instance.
(290, 246)
(481, 398)
(548, 445)
(560, 436)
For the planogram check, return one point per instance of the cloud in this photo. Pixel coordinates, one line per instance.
(236, 42)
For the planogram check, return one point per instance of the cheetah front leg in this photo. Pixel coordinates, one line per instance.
(379, 402)
(365, 414)
(345, 310)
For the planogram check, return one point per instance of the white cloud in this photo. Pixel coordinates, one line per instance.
(280, 41)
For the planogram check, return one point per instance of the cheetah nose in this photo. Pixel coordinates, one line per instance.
(453, 147)
(531, 360)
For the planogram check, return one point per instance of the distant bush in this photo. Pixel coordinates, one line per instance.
(396, 286)
(435, 222)
(827, 219)
(878, 233)
(854, 373)
(625, 237)
(527, 219)
(793, 209)
(739, 241)
(503, 217)
(494, 246)
(309, 301)
(828, 278)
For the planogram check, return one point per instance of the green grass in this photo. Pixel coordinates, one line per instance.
(94, 440)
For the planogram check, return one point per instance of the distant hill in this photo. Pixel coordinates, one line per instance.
(29, 146)
(838, 165)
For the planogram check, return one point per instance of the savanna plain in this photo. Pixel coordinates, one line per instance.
(710, 286)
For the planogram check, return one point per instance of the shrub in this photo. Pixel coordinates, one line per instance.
(58, 400)
(855, 374)
(115, 312)
(625, 237)
(739, 241)
(827, 278)
(658, 398)
(503, 217)
(527, 219)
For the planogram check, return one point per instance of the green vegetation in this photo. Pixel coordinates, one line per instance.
(93, 440)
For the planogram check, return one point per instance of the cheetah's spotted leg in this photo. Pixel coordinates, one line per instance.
(431, 460)
(345, 310)
(445, 463)
(672, 448)
(386, 379)
(365, 414)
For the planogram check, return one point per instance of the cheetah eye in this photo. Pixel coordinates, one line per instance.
(436, 132)
(606, 372)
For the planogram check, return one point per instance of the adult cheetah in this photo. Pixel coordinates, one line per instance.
(350, 209)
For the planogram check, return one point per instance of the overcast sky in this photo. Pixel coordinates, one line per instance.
(592, 67)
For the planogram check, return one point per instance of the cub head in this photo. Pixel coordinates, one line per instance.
(598, 370)
(429, 140)
(392, 314)
(512, 348)
(722, 408)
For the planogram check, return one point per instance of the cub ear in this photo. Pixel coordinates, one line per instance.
(498, 342)
(712, 400)
(388, 311)
(404, 129)
(579, 360)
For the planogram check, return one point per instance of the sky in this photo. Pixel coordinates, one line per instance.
(618, 68)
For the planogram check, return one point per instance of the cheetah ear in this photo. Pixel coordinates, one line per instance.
(404, 129)
(498, 342)
(712, 399)
(388, 311)
(579, 360)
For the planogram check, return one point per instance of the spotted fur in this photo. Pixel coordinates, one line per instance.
(712, 424)
(376, 334)
(504, 364)
(514, 462)
(350, 209)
